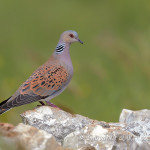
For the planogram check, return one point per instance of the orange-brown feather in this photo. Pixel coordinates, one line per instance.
(46, 79)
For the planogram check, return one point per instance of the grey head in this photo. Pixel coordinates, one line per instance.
(66, 38)
(70, 37)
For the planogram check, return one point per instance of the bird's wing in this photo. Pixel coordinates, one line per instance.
(43, 83)
(46, 80)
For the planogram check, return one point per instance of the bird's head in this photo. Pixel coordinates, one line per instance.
(70, 37)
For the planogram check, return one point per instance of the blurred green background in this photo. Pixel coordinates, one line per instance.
(111, 69)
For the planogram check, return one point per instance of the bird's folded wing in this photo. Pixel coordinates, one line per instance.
(46, 80)
(42, 84)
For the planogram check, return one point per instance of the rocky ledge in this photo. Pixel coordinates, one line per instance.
(46, 128)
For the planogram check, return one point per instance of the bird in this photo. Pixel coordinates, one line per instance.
(49, 80)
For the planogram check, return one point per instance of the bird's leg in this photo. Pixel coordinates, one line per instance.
(51, 104)
(42, 103)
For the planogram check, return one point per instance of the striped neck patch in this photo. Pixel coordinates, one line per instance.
(60, 48)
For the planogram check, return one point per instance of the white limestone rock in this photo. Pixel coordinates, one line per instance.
(55, 121)
(64, 131)
(26, 137)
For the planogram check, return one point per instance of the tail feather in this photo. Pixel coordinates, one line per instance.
(3, 110)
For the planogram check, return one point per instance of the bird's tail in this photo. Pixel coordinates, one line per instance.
(4, 109)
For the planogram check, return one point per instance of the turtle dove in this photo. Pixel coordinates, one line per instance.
(49, 80)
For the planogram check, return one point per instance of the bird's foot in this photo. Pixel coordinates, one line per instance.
(51, 104)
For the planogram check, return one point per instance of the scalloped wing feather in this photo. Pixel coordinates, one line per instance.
(46, 80)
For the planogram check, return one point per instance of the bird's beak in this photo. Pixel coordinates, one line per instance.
(80, 41)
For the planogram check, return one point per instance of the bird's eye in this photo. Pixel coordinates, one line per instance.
(71, 35)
